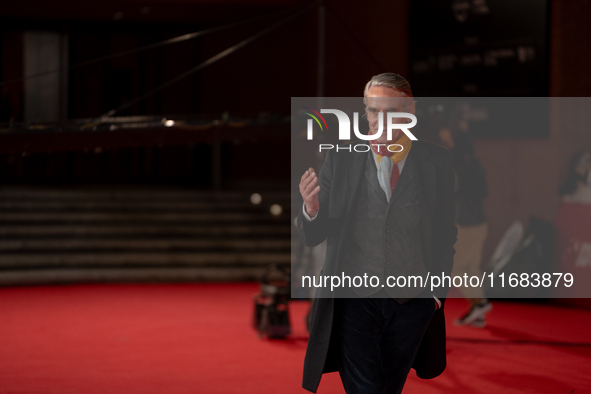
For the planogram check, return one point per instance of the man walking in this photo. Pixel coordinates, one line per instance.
(385, 212)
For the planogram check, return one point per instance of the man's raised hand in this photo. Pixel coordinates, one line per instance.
(309, 190)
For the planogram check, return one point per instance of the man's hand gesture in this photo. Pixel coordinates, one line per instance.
(309, 191)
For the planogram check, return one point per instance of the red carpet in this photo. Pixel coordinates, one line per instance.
(197, 338)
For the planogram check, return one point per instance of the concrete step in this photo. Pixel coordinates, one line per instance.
(159, 258)
(111, 275)
(135, 194)
(53, 235)
(178, 217)
(50, 244)
(110, 205)
(162, 229)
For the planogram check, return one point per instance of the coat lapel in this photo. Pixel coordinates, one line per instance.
(371, 176)
(355, 170)
(426, 172)
(406, 177)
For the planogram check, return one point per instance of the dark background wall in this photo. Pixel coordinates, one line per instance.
(262, 75)
(362, 39)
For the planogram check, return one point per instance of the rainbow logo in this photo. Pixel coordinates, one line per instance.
(316, 119)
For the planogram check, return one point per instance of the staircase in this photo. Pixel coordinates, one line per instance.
(51, 235)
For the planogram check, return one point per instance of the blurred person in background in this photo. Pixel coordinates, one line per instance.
(470, 191)
(577, 187)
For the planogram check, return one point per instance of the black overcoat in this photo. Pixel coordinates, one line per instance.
(339, 180)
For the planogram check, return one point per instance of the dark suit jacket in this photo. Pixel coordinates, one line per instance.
(339, 179)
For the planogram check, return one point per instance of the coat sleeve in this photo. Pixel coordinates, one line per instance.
(446, 231)
(314, 232)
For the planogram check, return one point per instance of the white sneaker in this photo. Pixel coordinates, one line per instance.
(476, 312)
(479, 323)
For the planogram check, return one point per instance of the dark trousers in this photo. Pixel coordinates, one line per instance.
(379, 339)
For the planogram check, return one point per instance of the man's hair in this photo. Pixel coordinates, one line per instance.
(389, 80)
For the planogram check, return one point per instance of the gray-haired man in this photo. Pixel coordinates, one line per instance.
(385, 214)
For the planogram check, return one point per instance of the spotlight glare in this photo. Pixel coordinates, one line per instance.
(256, 198)
(276, 209)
